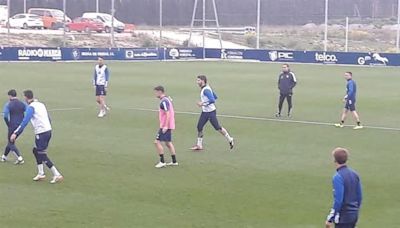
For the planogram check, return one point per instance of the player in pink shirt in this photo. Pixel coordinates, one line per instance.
(167, 124)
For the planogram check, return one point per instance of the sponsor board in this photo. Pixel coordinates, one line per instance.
(281, 56)
(326, 58)
(142, 54)
(232, 54)
(185, 53)
(39, 54)
(373, 59)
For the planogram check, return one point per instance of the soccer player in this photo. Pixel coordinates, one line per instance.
(167, 125)
(209, 113)
(347, 193)
(100, 82)
(13, 113)
(36, 112)
(286, 82)
(350, 102)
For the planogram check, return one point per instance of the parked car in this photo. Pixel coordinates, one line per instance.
(85, 25)
(107, 21)
(52, 18)
(25, 21)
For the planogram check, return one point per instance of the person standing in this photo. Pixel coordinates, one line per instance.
(286, 82)
(347, 193)
(37, 114)
(350, 102)
(100, 82)
(13, 113)
(209, 113)
(167, 125)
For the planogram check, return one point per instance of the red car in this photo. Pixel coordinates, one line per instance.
(85, 25)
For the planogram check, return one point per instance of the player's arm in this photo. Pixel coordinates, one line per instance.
(210, 96)
(94, 78)
(165, 108)
(107, 73)
(294, 80)
(6, 114)
(350, 91)
(359, 193)
(338, 195)
(28, 116)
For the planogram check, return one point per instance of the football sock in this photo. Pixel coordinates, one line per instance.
(342, 122)
(173, 158)
(358, 123)
(200, 142)
(228, 137)
(162, 158)
(40, 169)
(7, 151)
(55, 171)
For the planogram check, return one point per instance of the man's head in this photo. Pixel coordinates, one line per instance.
(340, 156)
(100, 60)
(348, 75)
(201, 80)
(12, 94)
(159, 91)
(28, 95)
(285, 68)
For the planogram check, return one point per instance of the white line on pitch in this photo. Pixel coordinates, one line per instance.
(269, 119)
(63, 109)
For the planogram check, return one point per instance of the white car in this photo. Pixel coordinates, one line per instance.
(26, 21)
(107, 21)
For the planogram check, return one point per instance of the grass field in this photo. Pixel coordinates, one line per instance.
(279, 175)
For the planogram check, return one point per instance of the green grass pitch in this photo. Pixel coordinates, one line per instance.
(279, 175)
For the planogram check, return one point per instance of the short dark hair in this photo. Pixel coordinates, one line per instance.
(341, 155)
(159, 88)
(28, 94)
(285, 64)
(12, 93)
(349, 72)
(203, 78)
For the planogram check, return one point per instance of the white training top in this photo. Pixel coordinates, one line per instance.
(207, 107)
(40, 119)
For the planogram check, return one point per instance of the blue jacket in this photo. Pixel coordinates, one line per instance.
(347, 195)
(14, 113)
(351, 90)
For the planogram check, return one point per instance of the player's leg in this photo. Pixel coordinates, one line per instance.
(214, 122)
(171, 148)
(160, 149)
(357, 119)
(43, 141)
(40, 175)
(204, 117)
(343, 117)
(14, 148)
(289, 99)
(280, 105)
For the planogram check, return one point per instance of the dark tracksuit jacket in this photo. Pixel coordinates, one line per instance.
(287, 81)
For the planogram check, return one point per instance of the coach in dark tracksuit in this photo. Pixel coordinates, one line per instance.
(14, 112)
(286, 83)
(347, 193)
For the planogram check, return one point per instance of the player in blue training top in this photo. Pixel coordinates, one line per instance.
(100, 82)
(209, 113)
(347, 193)
(350, 100)
(36, 112)
(13, 113)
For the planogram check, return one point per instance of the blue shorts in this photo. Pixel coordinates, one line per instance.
(101, 90)
(350, 105)
(164, 137)
(42, 141)
(208, 116)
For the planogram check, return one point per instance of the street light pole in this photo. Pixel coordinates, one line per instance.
(326, 25)
(97, 6)
(258, 22)
(398, 27)
(161, 24)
